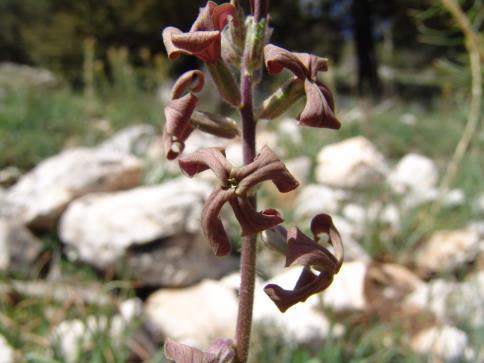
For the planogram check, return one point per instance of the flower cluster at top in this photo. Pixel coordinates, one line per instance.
(229, 44)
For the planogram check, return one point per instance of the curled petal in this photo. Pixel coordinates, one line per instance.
(312, 63)
(277, 59)
(323, 223)
(173, 52)
(266, 166)
(208, 158)
(304, 251)
(177, 124)
(174, 146)
(318, 111)
(303, 65)
(205, 45)
(204, 19)
(328, 95)
(250, 220)
(301, 250)
(191, 80)
(221, 13)
(213, 16)
(212, 226)
(308, 283)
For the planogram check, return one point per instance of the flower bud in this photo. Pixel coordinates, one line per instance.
(225, 82)
(214, 124)
(233, 41)
(257, 36)
(276, 239)
(282, 99)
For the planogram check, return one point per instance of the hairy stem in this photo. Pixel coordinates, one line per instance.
(248, 253)
(249, 243)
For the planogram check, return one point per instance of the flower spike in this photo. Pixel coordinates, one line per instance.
(319, 108)
(302, 250)
(235, 188)
(179, 111)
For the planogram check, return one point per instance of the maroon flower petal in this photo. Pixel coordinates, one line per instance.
(266, 166)
(277, 59)
(250, 220)
(177, 124)
(208, 158)
(205, 45)
(221, 13)
(313, 64)
(212, 226)
(323, 223)
(181, 353)
(174, 146)
(304, 251)
(172, 51)
(311, 284)
(191, 80)
(204, 19)
(317, 111)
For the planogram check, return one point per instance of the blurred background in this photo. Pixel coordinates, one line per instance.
(101, 255)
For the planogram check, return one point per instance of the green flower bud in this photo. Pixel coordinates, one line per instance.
(276, 239)
(225, 82)
(282, 99)
(256, 38)
(214, 124)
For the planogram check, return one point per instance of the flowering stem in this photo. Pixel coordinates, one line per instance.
(249, 243)
(248, 253)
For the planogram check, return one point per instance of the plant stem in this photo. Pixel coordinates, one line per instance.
(249, 243)
(248, 252)
(473, 49)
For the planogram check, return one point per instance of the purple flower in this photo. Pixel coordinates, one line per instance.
(319, 108)
(203, 39)
(236, 185)
(179, 111)
(302, 250)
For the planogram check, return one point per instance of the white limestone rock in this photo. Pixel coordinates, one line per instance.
(103, 225)
(313, 199)
(352, 163)
(40, 196)
(414, 173)
(288, 128)
(7, 353)
(299, 168)
(452, 302)
(447, 250)
(135, 140)
(346, 293)
(194, 315)
(445, 343)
